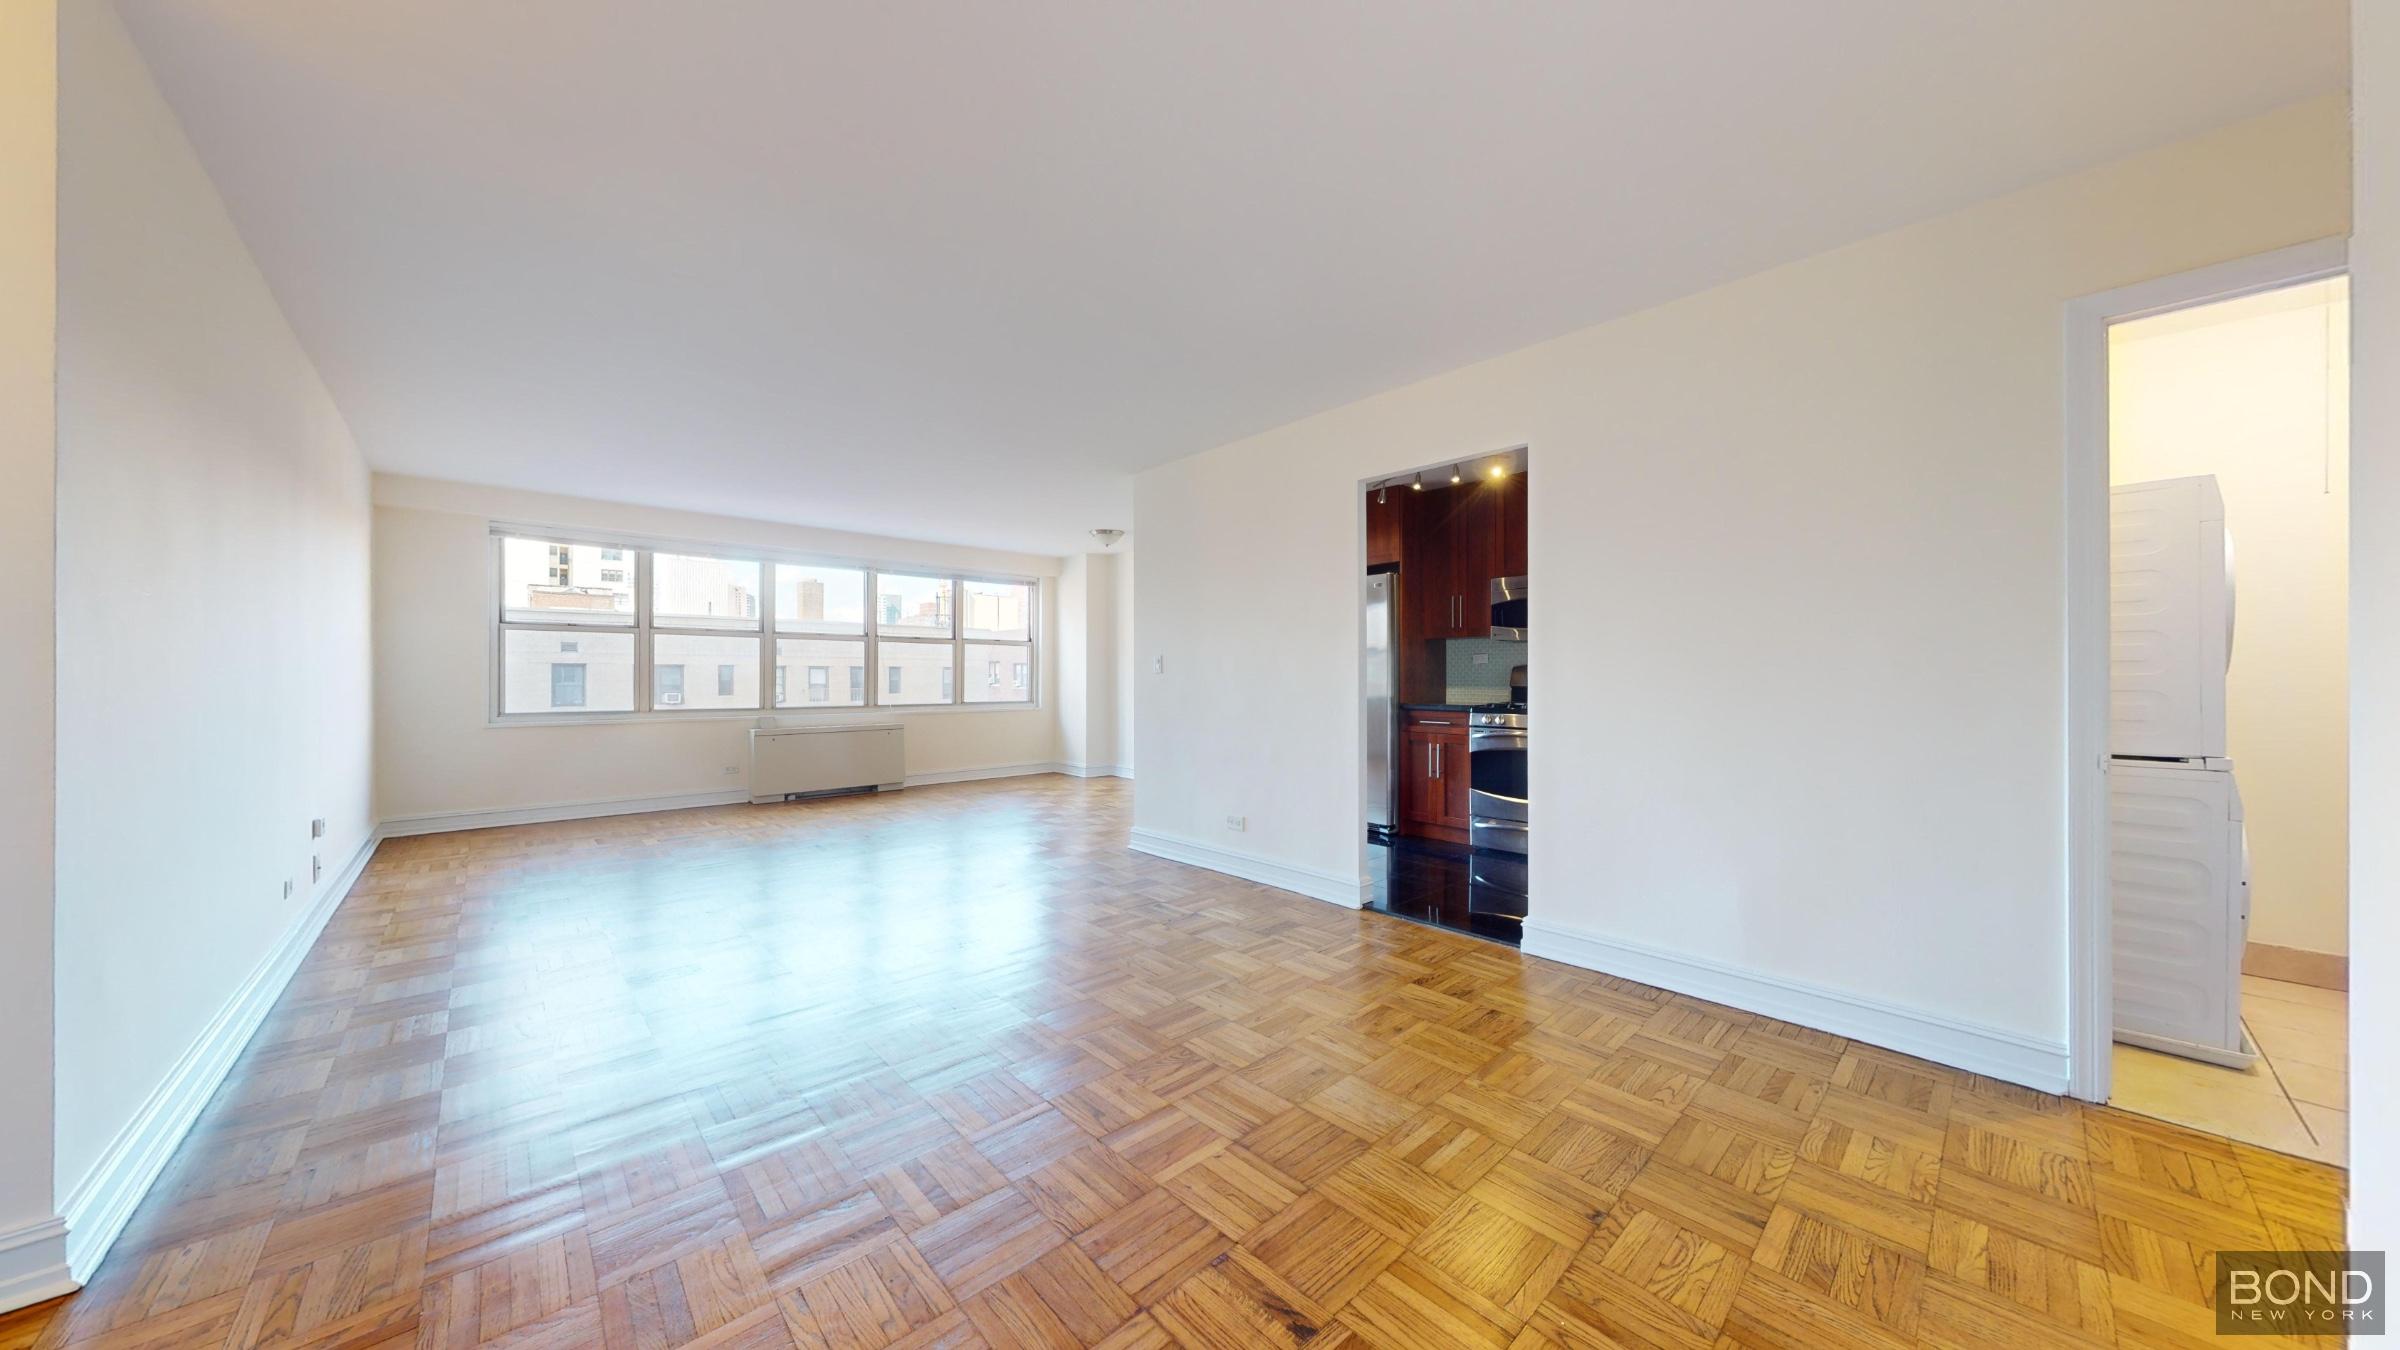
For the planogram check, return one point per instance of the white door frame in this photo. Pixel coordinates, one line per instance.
(2087, 323)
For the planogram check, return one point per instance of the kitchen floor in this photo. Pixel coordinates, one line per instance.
(2294, 1099)
(1425, 881)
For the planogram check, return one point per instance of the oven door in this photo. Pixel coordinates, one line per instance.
(1508, 608)
(1496, 773)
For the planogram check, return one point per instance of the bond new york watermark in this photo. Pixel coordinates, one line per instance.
(2299, 1293)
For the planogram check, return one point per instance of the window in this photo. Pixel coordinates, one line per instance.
(912, 607)
(812, 599)
(916, 673)
(545, 583)
(725, 670)
(1001, 610)
(566, 685)
(820, 656)
(574, 637)
(689, 592)
(988, 660)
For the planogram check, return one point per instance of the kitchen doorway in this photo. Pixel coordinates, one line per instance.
(1447, 830)
(2215, 834)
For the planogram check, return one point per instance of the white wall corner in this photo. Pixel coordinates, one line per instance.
(1350, 892)
(33, 1264)
(97, 1209)
(1990, 1051)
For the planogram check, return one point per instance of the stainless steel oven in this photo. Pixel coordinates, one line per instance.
(1496, 814)
(1508, 608)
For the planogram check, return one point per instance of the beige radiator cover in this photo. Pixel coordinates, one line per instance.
(829, 758)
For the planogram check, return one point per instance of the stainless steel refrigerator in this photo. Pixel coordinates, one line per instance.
(1381, 712)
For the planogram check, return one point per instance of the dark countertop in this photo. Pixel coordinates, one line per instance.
(1439, 707)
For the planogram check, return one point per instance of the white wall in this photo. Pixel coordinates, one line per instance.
(437, 753)
(212, 582)
(1799, 655)
(2256, 392)
(31, 1251)
(1090, 653)
(1074, 660)
(1126, 685)
(2375, 625)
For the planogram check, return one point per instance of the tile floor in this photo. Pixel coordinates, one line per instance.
(2293, 1100)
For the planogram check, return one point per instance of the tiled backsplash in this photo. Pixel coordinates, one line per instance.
(1471, 683)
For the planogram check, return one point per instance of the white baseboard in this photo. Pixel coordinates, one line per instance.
(97, 1208)
(1350, 892)
(441, 822)
(1095, 770)
(33, 1264)
(1979, 1049)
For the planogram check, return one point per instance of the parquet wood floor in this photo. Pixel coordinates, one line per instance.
(954, 1068)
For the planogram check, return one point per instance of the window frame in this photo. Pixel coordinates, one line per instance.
(638, 561)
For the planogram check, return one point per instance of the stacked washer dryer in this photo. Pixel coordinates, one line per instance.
(2179, 862)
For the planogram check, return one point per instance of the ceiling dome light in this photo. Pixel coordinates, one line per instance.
(1108, 538)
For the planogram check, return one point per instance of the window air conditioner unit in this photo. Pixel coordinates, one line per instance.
(670, 698)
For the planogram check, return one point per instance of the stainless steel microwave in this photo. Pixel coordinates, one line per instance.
(1508, 608)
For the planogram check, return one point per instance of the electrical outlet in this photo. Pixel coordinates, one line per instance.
(1483, 658)
(316, 869)
(287, 889)
(732, 769)
(1237, 822)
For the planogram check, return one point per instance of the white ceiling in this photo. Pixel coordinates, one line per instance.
(956, 271)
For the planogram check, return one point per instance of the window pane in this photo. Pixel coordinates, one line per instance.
(703, 672)
(814, 681)
(557, 672)
(916, 672)
(907, 606)
(1002, 610)
(811, 599)
(996, 674)
(542, 582)
(690, 592)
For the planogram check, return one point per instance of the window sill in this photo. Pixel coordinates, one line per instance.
(749, 714)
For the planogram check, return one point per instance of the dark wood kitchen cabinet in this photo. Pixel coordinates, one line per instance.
(1384, 509)
(1443, 547)
(1433, 776)
(1508, 499)
(1453, 541)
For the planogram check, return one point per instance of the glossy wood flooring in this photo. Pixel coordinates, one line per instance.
(954, 1068)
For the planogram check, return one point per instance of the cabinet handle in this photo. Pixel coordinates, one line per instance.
(1438, 757)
